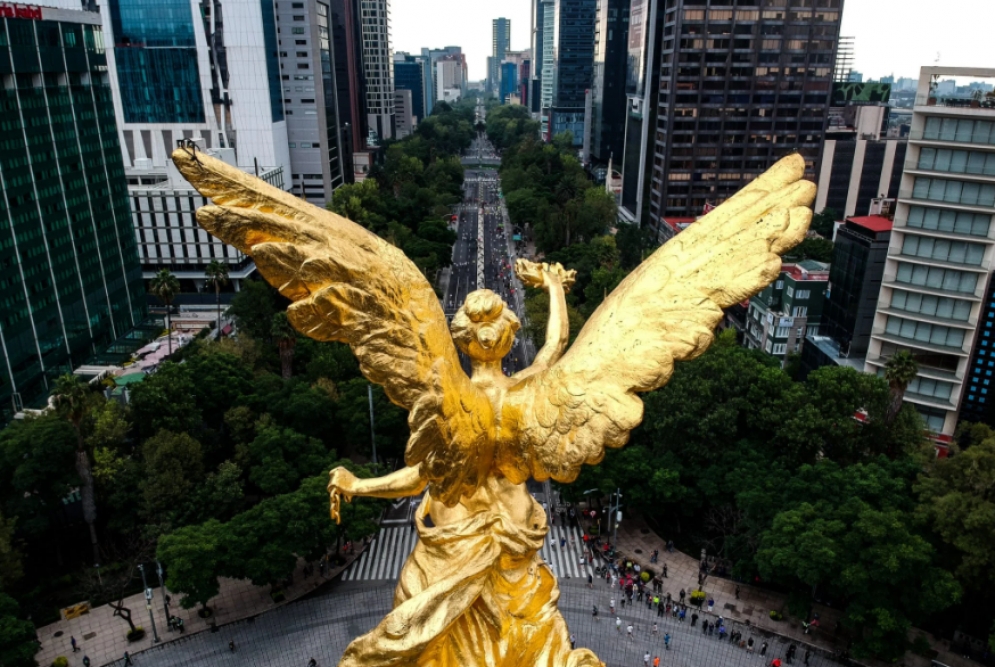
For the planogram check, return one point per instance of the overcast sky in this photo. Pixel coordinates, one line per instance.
(893, 36)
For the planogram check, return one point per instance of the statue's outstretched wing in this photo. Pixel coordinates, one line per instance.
(664, 311)
(349, 285)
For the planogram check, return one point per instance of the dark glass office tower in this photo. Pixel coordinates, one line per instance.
(156, 58)
(740, 87)
(69, 271)
(409, 74)
(572, 41)
(608, 84)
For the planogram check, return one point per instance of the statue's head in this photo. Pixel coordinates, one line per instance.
(484, 327)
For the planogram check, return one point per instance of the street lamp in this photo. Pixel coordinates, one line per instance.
(165, 598)
(148, 602)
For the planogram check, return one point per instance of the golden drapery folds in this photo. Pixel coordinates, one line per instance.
(475, 592)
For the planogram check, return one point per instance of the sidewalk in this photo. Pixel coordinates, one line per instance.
(637, 542)
(101, 636)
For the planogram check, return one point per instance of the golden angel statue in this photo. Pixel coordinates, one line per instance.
(475, 592)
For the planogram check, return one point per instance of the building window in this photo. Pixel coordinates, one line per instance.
(790, 291)
(782, 332)
(923, 332)
(297, 31)
(780, 348)
(799, 311)
(804, 294)
(779, 284)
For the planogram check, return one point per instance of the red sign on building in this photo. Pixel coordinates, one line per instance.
(12, 11)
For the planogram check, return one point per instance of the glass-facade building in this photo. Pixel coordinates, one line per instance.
(509, 80)
(608, 82)
(739, 87)
(156, 60)
(409, 74)
(69, 271)
(570, 36)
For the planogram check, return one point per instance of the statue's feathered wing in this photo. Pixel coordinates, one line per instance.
(665, 311)
(349, 285)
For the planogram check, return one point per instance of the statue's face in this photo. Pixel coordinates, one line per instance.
(484, 327)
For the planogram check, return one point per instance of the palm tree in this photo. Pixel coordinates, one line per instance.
(899, 371)
(165, 286)
(286, 339)
(73, 399)
(217, 275)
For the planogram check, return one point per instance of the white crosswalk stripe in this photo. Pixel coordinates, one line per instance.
(385, 556)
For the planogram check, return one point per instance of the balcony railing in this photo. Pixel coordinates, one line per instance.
(984, 104)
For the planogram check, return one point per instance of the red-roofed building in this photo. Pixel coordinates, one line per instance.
(671, 227)
(873, 223)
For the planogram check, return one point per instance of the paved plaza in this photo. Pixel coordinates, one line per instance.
(322, 625)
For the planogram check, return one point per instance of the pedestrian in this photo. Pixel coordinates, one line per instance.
(694, 619)
(127, 659)
(791, 653)
(595, 612)
(628, 630)
(749, 645)
(763, 649)
(776, 662)
(664, 570)
(808, 654)
(737, 592)
(659, 608)
(683, 613)
(312, 663)
(590, 580)
(682, 594)
(573, 641)
(72, 640)
(86, 661)
(711, 604)
(704, 627)
(621, 601)
(646, 659)
(611, 605)
(656, 661)
(563, 543)
(618, 624)
(231, 645)
(655, 628)
(666, 641)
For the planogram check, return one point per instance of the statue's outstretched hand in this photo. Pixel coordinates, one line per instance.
(543, 275)
(341, 485)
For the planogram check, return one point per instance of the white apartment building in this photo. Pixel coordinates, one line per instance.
(448, 78)
(378, 59)
(936, 293)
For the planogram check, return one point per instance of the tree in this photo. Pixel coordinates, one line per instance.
(73, 401)
(174, 469)
(957, 498)
(278, 458)
(899, 371)
(168, 400)
(10, 559)
(823, 223)
(165, 286)
(286, 338)
(254, 306)
(193, 560)
(217, 275)
(821, 250)
(18, 641)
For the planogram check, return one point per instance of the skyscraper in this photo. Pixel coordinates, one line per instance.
(568, 63)
(608, 80)
(378, 68)
(936, 294)
(500, 45)
(70, 274)
(409, 74)
(739, 88)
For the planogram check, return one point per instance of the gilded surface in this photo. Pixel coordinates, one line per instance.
(474, 592)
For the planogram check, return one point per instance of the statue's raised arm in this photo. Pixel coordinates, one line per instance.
(666, 310)
(557, 282)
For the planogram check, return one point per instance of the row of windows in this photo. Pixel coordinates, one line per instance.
(959, 129)
(931, 277)
(955, 222)
(931, 388)
(954, 192)
(933, 306)
(923, 332)
(960, 252)
(957, 162)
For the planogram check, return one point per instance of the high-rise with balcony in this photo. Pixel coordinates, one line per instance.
(936, 294)
(68, 267)
(608, 99)
(740, 87)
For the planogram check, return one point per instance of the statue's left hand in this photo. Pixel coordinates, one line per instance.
(341, 484)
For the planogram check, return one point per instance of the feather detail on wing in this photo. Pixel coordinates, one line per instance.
(665, 311)
(349, 285)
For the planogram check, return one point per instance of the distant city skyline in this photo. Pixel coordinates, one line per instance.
(892, 37)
